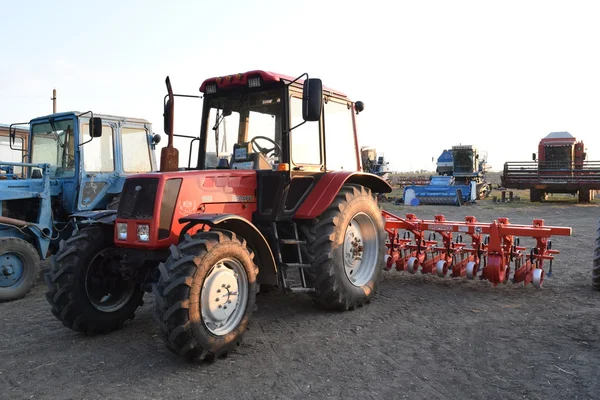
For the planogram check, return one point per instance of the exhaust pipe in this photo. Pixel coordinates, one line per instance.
(169, 156)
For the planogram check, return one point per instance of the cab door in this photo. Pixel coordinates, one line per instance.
(98, 165)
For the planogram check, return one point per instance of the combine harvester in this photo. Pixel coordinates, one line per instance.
(461, 179)
(560, 168)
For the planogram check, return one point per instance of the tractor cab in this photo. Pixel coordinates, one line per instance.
(89, 152)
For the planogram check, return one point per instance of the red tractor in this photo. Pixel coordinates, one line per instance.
(284, 204)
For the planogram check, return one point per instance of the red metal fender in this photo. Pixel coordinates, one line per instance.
(329, 186)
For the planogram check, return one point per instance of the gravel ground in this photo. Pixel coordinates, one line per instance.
(421, 337)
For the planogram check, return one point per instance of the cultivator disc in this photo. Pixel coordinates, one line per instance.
(439, 247)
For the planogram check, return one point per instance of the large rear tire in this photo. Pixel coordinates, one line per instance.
(19, 268)
(206, 295)
(346, 249)
(86, 286)
(596, 261)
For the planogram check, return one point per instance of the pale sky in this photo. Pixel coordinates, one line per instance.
(499, 75)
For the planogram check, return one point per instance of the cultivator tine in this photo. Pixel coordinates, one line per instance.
(493, 253)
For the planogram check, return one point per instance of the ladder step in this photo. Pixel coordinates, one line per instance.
(292, 241)
(297, 265)
(301, 289)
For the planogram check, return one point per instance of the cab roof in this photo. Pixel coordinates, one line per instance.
(241, 79)
(103, 116)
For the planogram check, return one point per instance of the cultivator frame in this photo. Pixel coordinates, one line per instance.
(493, 248)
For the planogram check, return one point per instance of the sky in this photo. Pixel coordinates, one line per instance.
(432, 74)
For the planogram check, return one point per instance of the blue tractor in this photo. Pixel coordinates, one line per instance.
(74, 165)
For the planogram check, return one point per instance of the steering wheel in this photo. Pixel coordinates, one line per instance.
(276, 149)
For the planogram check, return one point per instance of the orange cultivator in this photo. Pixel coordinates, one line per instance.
(413, 244)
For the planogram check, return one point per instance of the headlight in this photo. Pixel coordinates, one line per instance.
(122, 231)
(254, 81)
(212, 88)
(143, 233)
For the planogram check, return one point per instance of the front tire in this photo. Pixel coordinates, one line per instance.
(19, 268)
(346, 249)
(206, 295)
(86, 287)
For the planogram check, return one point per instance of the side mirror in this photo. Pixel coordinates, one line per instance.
(312, 99)
(156, 138)
(95, 127)
(533, 156)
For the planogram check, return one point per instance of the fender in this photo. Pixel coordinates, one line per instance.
(322, 195)
(267, 273)
(100, 216)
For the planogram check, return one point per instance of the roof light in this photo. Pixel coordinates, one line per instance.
(254, 81)
(212, 88)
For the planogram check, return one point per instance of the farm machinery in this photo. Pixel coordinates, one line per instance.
(267, 212)
(461, 178)
(413, 244)
(374, 163)
(560, 167)
(63, 177)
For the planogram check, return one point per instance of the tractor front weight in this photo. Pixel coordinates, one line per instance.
(438, 247)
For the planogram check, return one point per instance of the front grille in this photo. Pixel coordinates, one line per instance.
(138, 198)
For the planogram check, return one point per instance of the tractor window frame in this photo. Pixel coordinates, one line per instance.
(293, 122)
(125, 151)
(84, 128)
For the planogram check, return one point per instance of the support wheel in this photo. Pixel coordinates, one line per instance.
(87, 288)
(412, 266)
(596, 262)
(346, 248)
(441, 268)
(538, 278)
(471, 270)
(19, 268)
(206, 295)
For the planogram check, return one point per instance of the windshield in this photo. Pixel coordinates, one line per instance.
(557, 157)
(242, 117)
(463, 160)
(54, 144)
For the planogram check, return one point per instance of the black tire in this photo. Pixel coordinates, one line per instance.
(181, 284)
(76, 283)
(536, 196)
(325, 238)
(22, 252)
(584, 195)
(596, 262)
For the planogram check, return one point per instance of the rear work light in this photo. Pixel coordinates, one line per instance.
(212, 88)
(254, 81)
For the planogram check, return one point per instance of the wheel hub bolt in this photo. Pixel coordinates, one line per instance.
(8, 271)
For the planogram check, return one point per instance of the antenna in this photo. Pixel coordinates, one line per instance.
(53, 101)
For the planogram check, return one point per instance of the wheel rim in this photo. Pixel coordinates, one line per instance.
(11, 269)
(105, 287)
(224, 296)
(360, 249)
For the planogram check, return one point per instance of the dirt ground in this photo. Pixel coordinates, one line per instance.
(422, 337)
